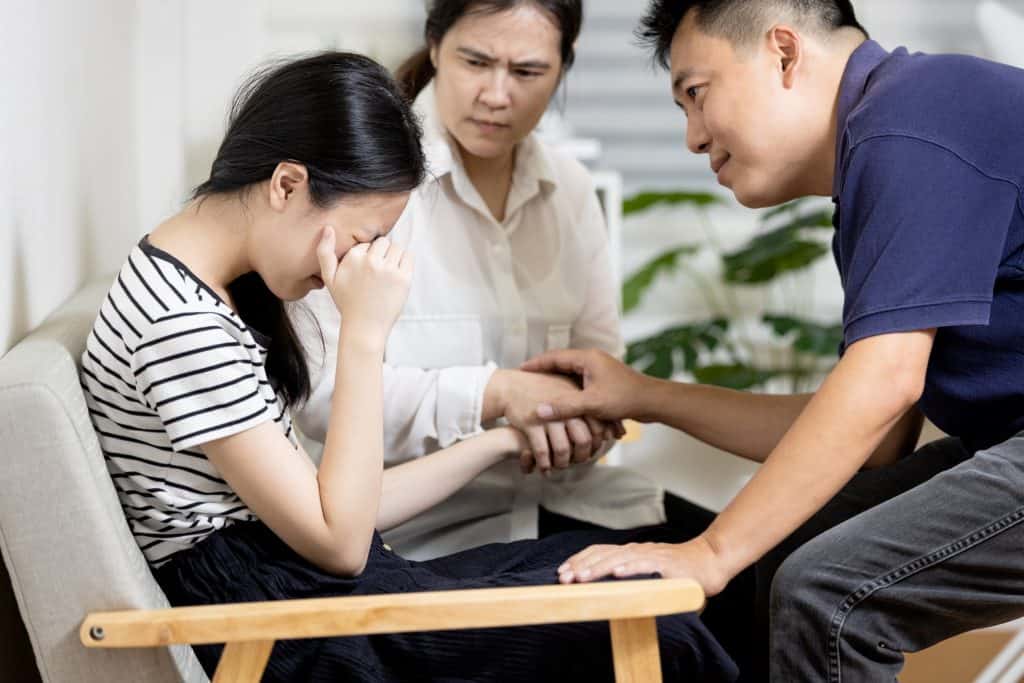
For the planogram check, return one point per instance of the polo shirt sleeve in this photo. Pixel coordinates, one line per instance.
(921, 236)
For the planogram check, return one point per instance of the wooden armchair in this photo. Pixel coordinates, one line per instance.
(250, 629)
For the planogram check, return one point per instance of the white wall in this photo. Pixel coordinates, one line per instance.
(68, 191)
(227, 40)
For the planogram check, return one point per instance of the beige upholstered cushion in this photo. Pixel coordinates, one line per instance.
(62, 532)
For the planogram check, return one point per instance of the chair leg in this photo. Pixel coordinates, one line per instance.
(243, 662)
(635, 650)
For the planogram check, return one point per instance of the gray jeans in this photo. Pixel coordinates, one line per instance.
(902, 558)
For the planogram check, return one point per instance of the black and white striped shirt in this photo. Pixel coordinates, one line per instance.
(167, 367)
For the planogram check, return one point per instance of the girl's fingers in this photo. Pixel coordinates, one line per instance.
(325, 254)
(538, 439)
(356, 253)
(395, 255)
(526, 462)
(379, 248)
(561, 450)
(583, 440)
(407, 263)
(597, 428)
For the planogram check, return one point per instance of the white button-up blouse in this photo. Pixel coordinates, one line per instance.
(489, 294)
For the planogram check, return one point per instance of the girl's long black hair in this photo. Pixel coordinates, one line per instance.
(342, 117)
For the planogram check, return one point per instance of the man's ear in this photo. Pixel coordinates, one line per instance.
(288, 179)
(786, 47)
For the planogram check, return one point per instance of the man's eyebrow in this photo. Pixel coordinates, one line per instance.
(484, 57)
(678, 79)
(682, 76)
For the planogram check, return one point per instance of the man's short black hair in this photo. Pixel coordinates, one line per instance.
(739, 21)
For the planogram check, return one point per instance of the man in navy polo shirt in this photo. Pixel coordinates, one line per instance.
(883, 550)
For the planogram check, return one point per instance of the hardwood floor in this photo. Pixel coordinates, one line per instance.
(957, 660)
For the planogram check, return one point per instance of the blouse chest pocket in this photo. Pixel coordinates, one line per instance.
(558, 337)
(432, 342)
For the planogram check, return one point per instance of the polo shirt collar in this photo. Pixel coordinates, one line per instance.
(864, 60)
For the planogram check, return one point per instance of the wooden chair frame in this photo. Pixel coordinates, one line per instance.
(250, 629)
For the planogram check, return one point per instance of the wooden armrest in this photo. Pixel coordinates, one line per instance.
(391, 613)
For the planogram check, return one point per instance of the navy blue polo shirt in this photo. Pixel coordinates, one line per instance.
(930, 226)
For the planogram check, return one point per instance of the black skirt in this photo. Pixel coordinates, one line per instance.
(247, 562)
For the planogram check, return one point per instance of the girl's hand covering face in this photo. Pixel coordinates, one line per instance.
(369, 284)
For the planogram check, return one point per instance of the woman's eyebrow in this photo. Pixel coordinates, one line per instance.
(530, 64)
(476, 54)
(484, 57)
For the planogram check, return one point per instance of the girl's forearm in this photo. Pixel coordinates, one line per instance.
(418, 485)
(350, 471)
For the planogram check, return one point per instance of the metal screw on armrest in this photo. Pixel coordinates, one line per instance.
(97, 633)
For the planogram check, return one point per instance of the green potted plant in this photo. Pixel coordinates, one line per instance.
(718, 349)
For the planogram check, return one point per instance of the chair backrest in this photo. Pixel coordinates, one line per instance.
(63, 535)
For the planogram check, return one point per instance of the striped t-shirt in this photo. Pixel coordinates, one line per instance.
(167, 367)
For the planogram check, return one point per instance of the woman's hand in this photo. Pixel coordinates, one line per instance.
(556, 444)
(369, 285)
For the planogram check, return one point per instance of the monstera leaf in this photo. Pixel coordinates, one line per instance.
(777, 251)
(808, 337)
(645, 200)
(790, 244)
(640, 281)
(765, 262)
(736, 376)
(781, 209)
(794, 208)
(658, 355)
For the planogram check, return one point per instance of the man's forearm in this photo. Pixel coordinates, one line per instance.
(844, 423)
(745, 424)
(751, 425)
